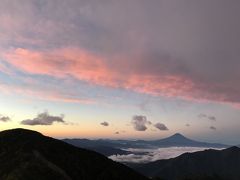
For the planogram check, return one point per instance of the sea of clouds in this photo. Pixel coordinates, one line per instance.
(149, 155)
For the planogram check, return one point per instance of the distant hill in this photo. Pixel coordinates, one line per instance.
(208, 164)
(117, 144)
(104, 149)
(28, 155)
(174, 140)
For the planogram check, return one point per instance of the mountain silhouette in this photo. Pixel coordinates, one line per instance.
(28, 155)
(104, 148)
(207, 164)
(176, 138)
(111, 147)
(181, 141)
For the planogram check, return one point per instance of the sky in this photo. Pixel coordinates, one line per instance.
(121, 69)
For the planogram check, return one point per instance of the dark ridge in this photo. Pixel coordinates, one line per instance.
(233, 148)
(207, 164)
(20, 132)
(28, 155)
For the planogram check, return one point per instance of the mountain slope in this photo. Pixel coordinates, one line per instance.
(27, 155)
(104, 148)
(221, 164)
(118, 144)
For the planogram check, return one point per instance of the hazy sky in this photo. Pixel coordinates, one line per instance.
(121, 69)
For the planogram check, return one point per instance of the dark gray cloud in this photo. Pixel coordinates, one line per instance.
(104, 123)
(188, 125)
(161, 126)
(140, 122)
(209, 117)
(213, 128)
(213, 118)
(202, 115)
(43, 119)
(4, 118)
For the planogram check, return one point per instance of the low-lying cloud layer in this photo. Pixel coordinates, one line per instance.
(149, 155)
(43, 119)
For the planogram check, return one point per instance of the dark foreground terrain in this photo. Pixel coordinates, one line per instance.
(28, 155)
(203, 165)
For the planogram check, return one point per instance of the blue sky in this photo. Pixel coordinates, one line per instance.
(67, 66)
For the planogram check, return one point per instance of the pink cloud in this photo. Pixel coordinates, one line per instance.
(139, 76)
(61, 63)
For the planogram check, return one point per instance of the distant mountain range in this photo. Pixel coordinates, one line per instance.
(28, 155)
(101, 146)
(111, 147)
(208, 164)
